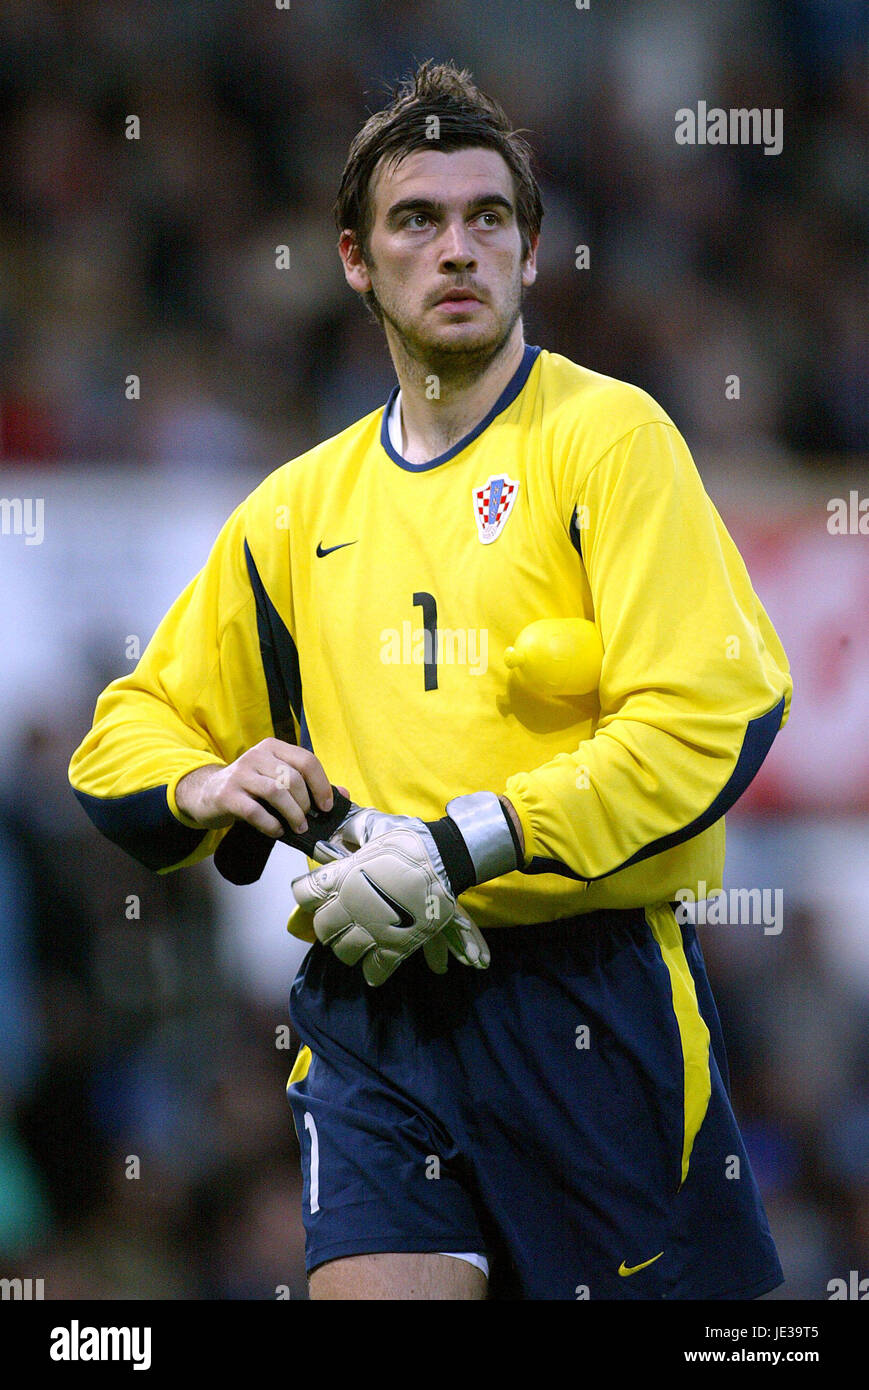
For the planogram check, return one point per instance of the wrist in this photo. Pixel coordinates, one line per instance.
(516, 824)
(192, 801)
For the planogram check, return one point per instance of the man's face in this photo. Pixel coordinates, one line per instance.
(444, 257)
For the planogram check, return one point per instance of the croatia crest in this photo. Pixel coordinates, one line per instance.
(492, 505)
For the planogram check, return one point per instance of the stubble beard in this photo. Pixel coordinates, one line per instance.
(455, 365)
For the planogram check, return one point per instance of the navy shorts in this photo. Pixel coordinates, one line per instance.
(565, 1113)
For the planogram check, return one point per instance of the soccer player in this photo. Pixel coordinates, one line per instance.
(549, 1117)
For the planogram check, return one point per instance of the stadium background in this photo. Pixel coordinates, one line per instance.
(159, 1035)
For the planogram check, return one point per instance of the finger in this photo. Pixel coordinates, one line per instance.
(246, 808)
(467, 942)
(286, 794)
(317, 785)
(317, 892)
(307, 892)
(285, 788)
(350, 943)
(258, 794)
(437, 954)
(378, 965)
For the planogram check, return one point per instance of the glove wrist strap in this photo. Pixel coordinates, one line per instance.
(480, 840)
(457, 862)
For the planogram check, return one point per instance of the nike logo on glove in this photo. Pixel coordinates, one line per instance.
(405, 918)
(328, 551)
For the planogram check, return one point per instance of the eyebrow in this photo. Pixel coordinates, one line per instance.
(404, 205)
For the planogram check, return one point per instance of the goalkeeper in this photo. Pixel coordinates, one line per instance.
(549, 1117)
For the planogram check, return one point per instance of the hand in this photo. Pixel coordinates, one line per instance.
(460, 937)
(384, 901)
(244, 851)
(398, 889)
(271, 776)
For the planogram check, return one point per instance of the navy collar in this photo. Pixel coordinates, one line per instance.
(507, 396)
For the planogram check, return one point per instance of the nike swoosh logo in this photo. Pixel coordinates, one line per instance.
(405, 918)
(328, 551)
(632, 1269)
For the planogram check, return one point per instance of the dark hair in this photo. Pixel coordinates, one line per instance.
(465, 118)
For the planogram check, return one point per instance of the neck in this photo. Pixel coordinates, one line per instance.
(444, 397)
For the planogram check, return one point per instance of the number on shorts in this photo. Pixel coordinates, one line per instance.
(315, 1162)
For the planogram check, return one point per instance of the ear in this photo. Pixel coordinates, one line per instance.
(355, 270)
(529, 265)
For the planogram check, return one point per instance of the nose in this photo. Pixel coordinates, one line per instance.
(455, 250)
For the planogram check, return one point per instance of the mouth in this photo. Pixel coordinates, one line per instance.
(457, 299)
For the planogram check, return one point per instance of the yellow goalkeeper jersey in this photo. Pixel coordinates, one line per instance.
(361, 605)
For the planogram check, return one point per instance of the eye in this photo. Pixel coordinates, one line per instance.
(416, 219)
(494, 218)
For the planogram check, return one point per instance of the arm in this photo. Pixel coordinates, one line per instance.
(694, 683)
(186, 742)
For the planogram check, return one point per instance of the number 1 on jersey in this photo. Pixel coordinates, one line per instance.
(430, 626)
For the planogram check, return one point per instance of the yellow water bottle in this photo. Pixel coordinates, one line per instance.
(557, 657)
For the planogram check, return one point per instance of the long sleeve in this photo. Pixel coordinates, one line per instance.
(694, 684)
(198, 695)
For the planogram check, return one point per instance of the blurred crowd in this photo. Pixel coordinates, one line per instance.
(123, 1036)
(155, 256)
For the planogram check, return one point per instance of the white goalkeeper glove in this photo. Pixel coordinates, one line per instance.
(460, 937)
(397, 891)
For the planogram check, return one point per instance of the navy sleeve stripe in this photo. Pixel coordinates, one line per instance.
(758, 740)
(142, 825)
(575, 537)
(280, 660)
